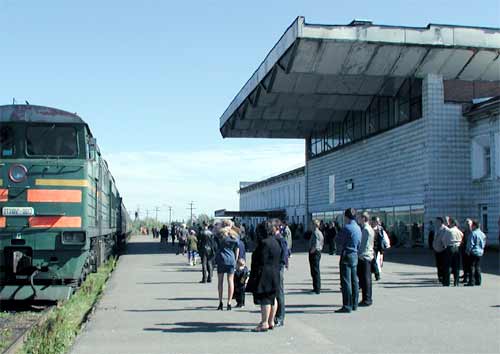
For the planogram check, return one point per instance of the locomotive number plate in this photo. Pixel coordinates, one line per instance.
(18, 211)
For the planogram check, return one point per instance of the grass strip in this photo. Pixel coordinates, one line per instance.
(58, 332)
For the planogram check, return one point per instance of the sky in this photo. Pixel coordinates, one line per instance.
(152, 78)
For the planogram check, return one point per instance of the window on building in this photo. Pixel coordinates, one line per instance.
(487, 161)
(481, 157)
(415, 99)
(383, 104)
(383, 113)
(404, 103)
(483, 212)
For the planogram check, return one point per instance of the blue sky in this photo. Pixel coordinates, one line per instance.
(153, 77)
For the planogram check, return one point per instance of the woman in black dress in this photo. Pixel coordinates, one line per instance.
(264, 279)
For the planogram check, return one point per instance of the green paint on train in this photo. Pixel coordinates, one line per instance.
(61, 215)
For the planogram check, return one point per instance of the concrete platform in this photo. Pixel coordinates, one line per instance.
(154, 304)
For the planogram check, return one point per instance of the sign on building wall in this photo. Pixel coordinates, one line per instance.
(331, 189)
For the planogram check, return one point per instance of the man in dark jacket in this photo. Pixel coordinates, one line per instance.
(206, 249)
(164, 234)
(279, 320)
(348, 242)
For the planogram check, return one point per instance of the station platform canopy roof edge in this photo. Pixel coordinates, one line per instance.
(251, 213)
(316, 73)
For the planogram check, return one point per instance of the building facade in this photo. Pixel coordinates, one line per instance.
(282, 192)
(390, 120)
(442, 162)
(484, 133)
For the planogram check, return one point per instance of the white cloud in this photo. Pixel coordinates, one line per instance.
(209, 177)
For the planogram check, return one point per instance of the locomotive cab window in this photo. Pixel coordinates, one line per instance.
(7, 141)
(51, 140)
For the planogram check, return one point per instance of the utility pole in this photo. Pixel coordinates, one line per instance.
(191, 210)
(156, 214)
(147, 214)
(169, 214)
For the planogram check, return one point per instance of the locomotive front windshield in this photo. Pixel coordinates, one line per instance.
(51, 140)
(7, 141)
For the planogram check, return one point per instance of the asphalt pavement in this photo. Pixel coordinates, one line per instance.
(154, 303)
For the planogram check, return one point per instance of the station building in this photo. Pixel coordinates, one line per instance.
(284, 192)
(402, 122)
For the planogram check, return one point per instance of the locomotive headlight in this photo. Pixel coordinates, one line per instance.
(18, 173)
(73, 237)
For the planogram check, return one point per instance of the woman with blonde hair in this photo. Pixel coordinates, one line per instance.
(226, 261)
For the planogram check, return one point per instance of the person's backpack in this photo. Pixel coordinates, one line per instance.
(386, 242)
(209, 246)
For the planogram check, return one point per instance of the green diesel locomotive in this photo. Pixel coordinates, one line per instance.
(61, 215)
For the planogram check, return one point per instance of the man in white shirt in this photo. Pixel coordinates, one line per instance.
(365, 257)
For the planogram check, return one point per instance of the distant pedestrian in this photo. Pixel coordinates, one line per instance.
(241, 247)
(439, 248)
(475, 250)
(300, 231)
(451, 241)
(315, 247)
(279, 319)
(164, 234)
(287, 234)
(430, 236)
(463, 251)
(226, 257)
(330, 234)
(348, 243)
(240, 280)
(264, 278)
(183, 234)
(365, 258)
(192, 245)
(243, 235)
(173, 233)
(206, 249)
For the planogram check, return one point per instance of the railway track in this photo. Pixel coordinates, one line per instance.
(16, 323)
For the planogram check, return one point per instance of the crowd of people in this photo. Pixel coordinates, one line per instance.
(360, 243)
(456, 248)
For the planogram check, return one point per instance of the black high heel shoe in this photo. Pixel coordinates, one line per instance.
(229, 307)
(220, 306)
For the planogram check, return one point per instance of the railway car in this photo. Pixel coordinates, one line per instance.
(61, 214)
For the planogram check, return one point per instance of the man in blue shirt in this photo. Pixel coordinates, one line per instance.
(348, 242)
(475, 250)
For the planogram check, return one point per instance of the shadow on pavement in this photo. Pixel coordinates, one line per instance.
(198, 308)
(490, 263)
(189, 270)
(203, 327)
(190, 298)
(167, 282)
(307, 305)
(309, 291)
(136, 248)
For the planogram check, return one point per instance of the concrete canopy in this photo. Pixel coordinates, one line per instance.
(316, 73)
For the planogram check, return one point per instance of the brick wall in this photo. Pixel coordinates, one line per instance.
(447, 151)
